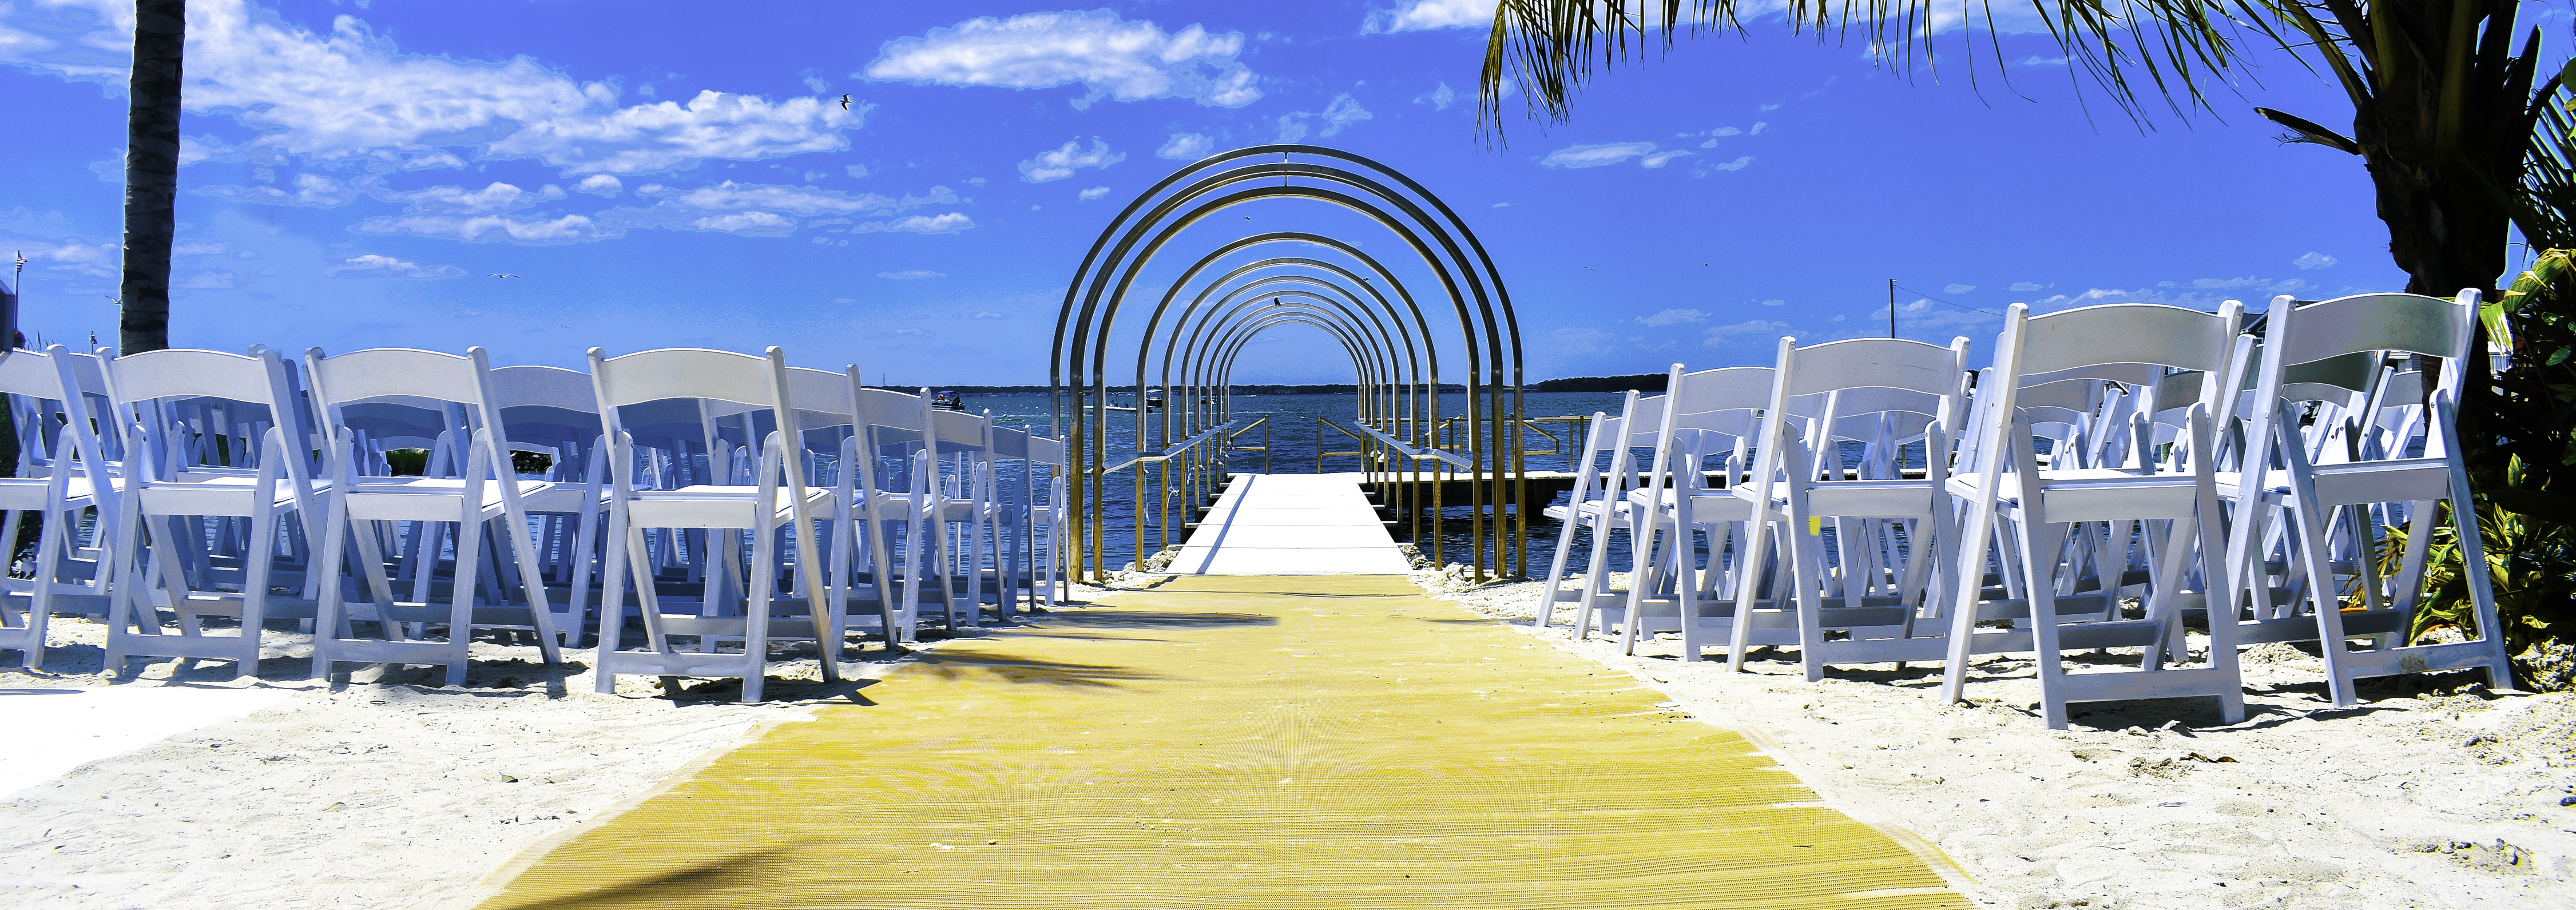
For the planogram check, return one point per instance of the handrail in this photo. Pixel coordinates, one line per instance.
(1411, 452)
(1264, 448)
(1167, 453)
(1320, 423)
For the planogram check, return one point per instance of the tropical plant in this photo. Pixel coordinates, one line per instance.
(2443, 103)
(2522, 464)
(151, 173)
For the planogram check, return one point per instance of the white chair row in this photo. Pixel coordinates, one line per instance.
(713, 486)
(2118, 475)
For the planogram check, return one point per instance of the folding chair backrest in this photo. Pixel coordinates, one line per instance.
(822, 398)
(179, 376)
(34, 374)
(1872, 363)
(2128, 333)
(189, 373)
(2403, 323)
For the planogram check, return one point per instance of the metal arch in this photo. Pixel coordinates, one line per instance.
(1250, 296)
(1413, 354)
(1201, 362)
(1484, 423)
(1346, 249)
(1186, 341)
(1400, 332)
(1131, 240)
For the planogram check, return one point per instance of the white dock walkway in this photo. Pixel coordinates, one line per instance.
(1291, 524)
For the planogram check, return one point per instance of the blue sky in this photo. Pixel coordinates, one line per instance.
(660, 173)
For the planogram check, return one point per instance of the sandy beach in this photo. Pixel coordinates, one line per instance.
(397, 793)
(2420, 797)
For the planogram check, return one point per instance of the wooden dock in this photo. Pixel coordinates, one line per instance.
(1291, 524)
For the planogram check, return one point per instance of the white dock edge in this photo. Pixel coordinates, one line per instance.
(1291, 524)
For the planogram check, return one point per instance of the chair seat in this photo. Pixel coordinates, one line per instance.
(425, 498)
(1896, 498)
(201, 493)
(29, 493)
(2353, 483)
(718, 506)
(2098, 494)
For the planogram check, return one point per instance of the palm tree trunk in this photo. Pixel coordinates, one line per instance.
(151, 174)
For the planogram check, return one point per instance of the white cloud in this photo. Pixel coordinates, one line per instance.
(988, 314)
(1112, 58)
(857, 170)
(200, 248)
(1748, 330)
(1186, 147)
(1092, 193)
(912, 275)
(209, 279)
(457, 200)
(1706, 168)
(1420, 15)
(1659, 159)
(1581, 156)
(311, 191)
(374, 266)
(1957, 288)
(1439, 98)
(950, 223)
(802, 201)
(2314, 260)
(1060, 163)
(749, 224)
(921, 333)
(599, 185)
(491, 228)
(351, 92)
(658, 137)
(1337, 116)
(1669, 317)
(2021, 286)
(1775, 303)
(1342, 113)
(97, 260)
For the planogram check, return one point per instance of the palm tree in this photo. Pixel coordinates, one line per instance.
(151, 173)
(2443, 104)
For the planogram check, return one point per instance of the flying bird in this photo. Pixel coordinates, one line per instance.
(499, 275)
(845, 102)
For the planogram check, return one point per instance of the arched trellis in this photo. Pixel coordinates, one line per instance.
(1186, 346)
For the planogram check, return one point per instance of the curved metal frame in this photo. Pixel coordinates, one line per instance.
(1394, 346)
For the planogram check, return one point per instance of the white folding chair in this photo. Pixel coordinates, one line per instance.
(486, 490)
(1708, 414)
(2314, 498)
(763, 508)
(172, 494)
(1864, 385)
(77, 478)
(1593, 495)
(1640, 418)
(555, 412)
(2004, 487)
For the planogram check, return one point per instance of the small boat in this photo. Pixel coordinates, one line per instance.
(1153, 398)
(948, 401)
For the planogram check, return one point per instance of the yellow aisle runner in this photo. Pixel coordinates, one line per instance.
(1246, 741)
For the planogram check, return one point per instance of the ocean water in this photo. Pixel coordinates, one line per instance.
(1300, 432)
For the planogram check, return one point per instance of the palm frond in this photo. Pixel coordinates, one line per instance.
(2171, 50)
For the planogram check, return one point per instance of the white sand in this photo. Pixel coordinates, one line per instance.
(377, 793)
(392, 793)
(2417, 798)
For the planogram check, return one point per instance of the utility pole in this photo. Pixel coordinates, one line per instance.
(1891, 308)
